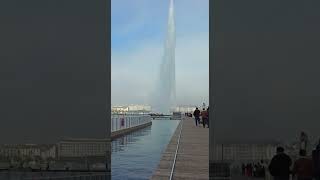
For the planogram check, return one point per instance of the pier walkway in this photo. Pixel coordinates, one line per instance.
(192, 157)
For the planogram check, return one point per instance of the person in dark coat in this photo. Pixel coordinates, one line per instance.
(280, 165)
(196, 115)
(208, 117)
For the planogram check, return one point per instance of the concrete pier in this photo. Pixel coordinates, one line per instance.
(123, 132)
(192, 160)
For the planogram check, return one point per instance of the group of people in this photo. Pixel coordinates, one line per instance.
(254, 169)
(304, 168)
(204, 114)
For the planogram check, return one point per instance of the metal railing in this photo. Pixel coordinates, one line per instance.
(176, 153)
(124, 121)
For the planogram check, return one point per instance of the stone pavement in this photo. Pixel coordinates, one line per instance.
(193, 155)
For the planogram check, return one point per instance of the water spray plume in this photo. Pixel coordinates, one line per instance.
(166, 92)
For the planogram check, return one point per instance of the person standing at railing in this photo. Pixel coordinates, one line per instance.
(196, 115)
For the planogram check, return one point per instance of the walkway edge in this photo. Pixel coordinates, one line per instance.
(123, 132)
(177, 149)
(192, 154)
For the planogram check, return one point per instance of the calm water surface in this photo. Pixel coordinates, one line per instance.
(136, 155)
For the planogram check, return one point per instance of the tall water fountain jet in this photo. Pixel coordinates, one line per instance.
(166, 91)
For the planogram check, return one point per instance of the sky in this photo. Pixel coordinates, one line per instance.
(138, 32)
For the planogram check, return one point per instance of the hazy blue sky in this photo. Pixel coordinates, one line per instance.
(138, 36)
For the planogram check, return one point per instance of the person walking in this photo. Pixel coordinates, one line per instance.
(204, 115)
(303, 167)
(208, 117)
(279, 166)
(196, 115)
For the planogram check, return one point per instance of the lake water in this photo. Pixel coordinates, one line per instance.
(137, 155)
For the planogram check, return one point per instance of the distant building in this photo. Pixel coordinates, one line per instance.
(183, 109)
(120, 109)
(131, 108)
(146, 108)
(176, 116)
(28, 150)
(48, 151)
(9, 151)
(79, 148)
(244, 152)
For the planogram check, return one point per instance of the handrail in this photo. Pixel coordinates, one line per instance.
(177, 148)
(123, 121)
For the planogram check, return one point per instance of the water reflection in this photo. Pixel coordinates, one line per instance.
(121, 143)
(136, 155)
